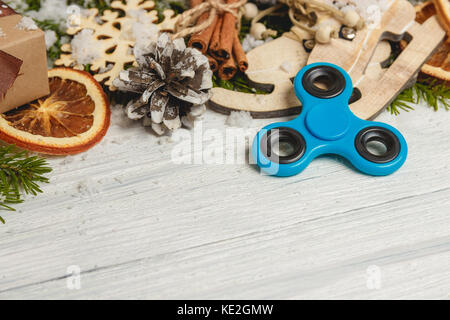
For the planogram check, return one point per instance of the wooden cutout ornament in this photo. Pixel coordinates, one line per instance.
(265, 67)
(272, 66)
(379, 89)
(361, 57)
(115, 49)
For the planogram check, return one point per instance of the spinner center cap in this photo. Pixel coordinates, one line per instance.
(327, 122)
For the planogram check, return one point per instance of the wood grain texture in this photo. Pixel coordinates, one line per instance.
(140, 226)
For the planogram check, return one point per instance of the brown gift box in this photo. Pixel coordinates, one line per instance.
(28, 46)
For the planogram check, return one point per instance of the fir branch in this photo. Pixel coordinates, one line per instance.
(400, 103)
(177, 6)
(20, 174)
(239, 82)
(435, 95)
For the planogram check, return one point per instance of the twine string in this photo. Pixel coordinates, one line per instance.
(186, 22)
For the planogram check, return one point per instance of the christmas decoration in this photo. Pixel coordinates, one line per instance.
(167, 84)
(170, 80)
(20, 174)
(10, 66)
(112, 36)
(73, 118)
(438, 66)
(215, 33)
(23, 61)
(370, 62)
(443, 12)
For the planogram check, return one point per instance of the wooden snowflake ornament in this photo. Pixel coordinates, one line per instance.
(113, 36)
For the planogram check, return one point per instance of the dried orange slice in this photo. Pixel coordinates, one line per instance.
(443, 12)
(73, 118)
(438, 66)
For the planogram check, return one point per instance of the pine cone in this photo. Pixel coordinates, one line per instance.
(171, 79)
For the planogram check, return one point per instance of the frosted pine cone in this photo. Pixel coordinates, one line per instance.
(171, 80)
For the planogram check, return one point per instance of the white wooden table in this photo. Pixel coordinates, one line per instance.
(139, 226)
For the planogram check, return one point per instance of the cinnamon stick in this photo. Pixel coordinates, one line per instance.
(215, 38)
(201, 39)
(239, 54)
(224, 50)
(213, 64)
(194, 3)
(227, 69)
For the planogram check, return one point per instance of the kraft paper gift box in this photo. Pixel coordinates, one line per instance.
(23, 62)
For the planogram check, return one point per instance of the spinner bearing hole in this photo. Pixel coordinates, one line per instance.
(283, 148)
(376, 147)
(323, 82)
(377, 144)
(283, 145)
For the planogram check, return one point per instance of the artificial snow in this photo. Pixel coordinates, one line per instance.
(188, 122)
(26, 23)
(198, 110)
(140, 29)
(53, 10)
(17, 5)
(88, 188)
(241, 119)
(250, 42)
(108, 67)
(369, 10)
(85, 47)
(50, 38)
(119, 118)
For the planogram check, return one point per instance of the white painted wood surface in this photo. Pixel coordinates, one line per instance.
(140, 226)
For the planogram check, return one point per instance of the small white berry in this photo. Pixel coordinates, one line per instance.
(257, 30)
(351, 18)
(323, 35)
(250, 10)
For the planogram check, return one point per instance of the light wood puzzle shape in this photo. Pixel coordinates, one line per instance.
(362, 58)
(114, 47)
(380, 86)
(274, 64)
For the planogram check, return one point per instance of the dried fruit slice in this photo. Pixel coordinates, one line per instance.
(73, 118)
(443, 12)
(438, 66)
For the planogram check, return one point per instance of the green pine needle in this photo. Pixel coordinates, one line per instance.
(239, 83)
(20, 174)
(435, 95)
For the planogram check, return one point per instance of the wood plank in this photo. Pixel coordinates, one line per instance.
(140, 226)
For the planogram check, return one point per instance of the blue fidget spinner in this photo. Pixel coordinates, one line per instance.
(327, 126)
